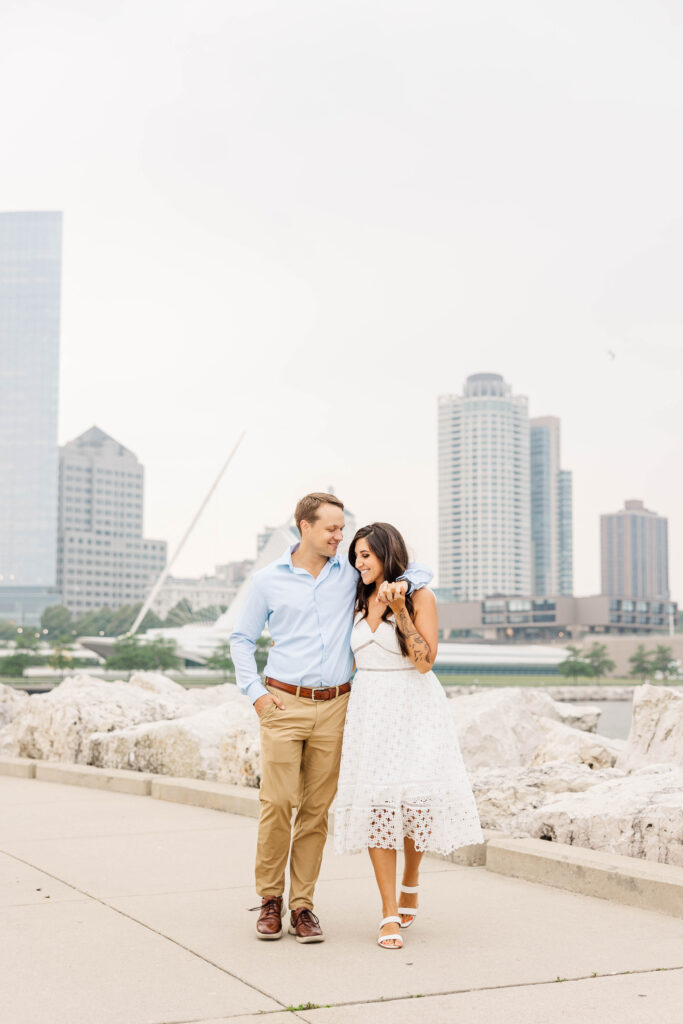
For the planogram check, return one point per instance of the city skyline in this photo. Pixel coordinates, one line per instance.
(495, 191)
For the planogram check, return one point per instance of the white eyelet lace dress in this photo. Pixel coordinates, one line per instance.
(402, 772)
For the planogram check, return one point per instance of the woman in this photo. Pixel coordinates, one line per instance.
(402, 782)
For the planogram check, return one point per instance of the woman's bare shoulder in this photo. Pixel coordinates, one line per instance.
(423, 599)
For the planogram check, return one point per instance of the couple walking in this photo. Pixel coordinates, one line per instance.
(402, 781)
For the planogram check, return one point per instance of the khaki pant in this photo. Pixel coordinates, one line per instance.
(300, 754)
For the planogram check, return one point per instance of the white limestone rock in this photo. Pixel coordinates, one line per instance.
(190, 746)
(579, 716)
(656, 735)
(7, 744)
(503, 795)
(11, 703)
(161, 685)
(57, 726)
(501, 727)
(574, 746)
(638, 815)
(239, 760)
(213, 696)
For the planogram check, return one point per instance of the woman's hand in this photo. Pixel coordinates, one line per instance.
(393, 594)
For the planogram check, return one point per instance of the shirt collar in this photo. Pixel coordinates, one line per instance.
(286, 557)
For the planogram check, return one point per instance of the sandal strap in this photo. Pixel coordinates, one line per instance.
(410, 888)
(389, 920)
(411, 911)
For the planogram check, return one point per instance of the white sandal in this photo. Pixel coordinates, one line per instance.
(396, 940)
(408, 911)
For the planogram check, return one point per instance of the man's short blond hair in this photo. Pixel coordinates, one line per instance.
(307, 507)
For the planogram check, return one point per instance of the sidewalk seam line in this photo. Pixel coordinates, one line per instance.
(511, 985)
(154, 931)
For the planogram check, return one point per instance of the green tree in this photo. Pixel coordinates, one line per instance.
(129, 654)
(93, 623)
(57, 620)
(599, 660)
(150, 621)
(662, 659)
(576, 663)
(122, 619)
(209, 613)
(14, 664)
(263, 645)
(221, 660)
(59, 659)
(641, 662)
(27, 640)
(180, 613)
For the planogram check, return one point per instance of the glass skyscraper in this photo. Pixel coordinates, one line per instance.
(30, 284)
(551, 511)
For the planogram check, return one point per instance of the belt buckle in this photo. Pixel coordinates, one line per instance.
(319, 689)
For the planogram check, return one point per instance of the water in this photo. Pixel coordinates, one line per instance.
(615, 720)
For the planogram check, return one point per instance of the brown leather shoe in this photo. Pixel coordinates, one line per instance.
(306, 926)
(269, 924)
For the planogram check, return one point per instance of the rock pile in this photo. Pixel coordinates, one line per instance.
(624, 797)
(149, 724)
(537, 766)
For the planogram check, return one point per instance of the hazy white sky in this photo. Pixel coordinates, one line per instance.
(310, 218)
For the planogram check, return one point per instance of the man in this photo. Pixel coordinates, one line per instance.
(307, 599)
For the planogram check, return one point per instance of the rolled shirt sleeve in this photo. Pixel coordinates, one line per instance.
(250, 624)
(417, 576)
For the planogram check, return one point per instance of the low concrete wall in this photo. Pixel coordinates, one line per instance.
(20, 767)
(116, 780)
(217, 796)
(639, 883)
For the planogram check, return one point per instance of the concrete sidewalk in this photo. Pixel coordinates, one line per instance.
(119, 909)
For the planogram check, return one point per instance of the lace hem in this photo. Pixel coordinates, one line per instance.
(439, 829)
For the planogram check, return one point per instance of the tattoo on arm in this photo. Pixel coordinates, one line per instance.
(417, 645)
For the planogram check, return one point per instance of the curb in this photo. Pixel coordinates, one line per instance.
(646, 884)
(216, 796)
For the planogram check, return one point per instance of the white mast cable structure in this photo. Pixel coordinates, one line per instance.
(169, 565)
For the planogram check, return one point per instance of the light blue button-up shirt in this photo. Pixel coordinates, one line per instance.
(309, 620)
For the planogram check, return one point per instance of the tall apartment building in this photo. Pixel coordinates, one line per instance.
(30, 287)
(102, 557)
(484, 499)
(634, 545)
(551, 511)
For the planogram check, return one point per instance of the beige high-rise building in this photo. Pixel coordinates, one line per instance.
(102, 557)
(484, 498)
(635, 553)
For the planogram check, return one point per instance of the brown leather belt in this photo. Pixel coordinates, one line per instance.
(310, 693)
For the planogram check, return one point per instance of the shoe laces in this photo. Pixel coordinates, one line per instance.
(306, 916)
(270, 906)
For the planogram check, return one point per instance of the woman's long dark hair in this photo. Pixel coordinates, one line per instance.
(386, 542)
